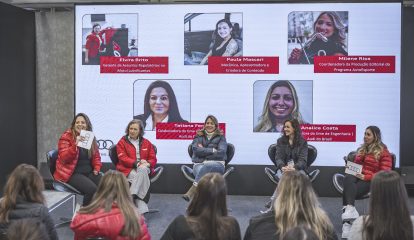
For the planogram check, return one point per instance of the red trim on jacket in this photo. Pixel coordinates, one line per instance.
(127, 155)
(104, 224)
(68, 154)
(370, 166)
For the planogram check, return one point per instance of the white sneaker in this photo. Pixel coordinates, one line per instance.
(350, 213)
(346, 228)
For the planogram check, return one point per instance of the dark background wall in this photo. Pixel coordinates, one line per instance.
(18, 89)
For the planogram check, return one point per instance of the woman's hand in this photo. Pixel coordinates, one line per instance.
(200, 145)
(95, 172)
(79, 139)
(288, 168)
(295, 55)
(360, 176)
(144, 164)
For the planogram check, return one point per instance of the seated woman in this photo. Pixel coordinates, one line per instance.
(160, 105)
(224, 43)
(78, 166)
(137, 160)
(111, 214)
(389, 211)
(328, 39)
(209, 152)
(373, 155)
(281, 104)
(296, 205)
(23, 199)
(206, 215)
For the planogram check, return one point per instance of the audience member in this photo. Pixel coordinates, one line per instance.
(300, 233)
(111, 213)
(389, 215)
(296, 205)
(23, 199)
(206, 215)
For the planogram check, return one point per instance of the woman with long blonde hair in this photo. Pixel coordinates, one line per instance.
(111, 214)
(23, 199)
(374, 156)
(296, 205)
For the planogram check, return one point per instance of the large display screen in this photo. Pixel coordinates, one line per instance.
(335, 67)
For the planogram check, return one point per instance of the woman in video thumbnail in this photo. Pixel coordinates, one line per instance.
(209, 152)
(389, 211)
(296, 205)
(328, 39)
(94, 44)
(160, 105)
(77, 166)
(281, 104)
(137, 161)
(224, 43)
(207, 216)
(23, 199)
(374, 156)
(111, 215)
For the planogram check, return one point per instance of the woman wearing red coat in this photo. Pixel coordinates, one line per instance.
(137, 161)
(77, 166)
(94, 45)
(111, 215)
(374, 156)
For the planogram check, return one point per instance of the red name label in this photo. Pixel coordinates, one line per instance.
(134, 64)
(243, 65)
(181, 131)
(328, 132)
(354, 64)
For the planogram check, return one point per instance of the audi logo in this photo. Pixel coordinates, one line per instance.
(104, 144)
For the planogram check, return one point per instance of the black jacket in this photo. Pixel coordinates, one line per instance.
(285, 152)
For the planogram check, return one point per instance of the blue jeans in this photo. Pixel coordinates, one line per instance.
(201, 169)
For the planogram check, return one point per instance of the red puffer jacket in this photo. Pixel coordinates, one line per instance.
(370, 166)
(127, 154)
(104, 224)
(68, 154)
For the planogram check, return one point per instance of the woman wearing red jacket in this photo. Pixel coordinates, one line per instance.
(374, 156)
(137, 161)
(77, 166)
(111, 215)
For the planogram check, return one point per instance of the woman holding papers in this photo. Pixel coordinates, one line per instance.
(373, 155)
(209, 152)
(78, 166)
(137, 160)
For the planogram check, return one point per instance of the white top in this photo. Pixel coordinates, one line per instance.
(149, 123)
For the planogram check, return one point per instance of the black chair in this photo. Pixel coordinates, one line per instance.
(312, 154)
(188, 172)
(51, 158)
(113, 155)
(338, 178)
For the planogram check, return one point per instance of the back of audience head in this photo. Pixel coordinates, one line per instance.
(27, 229)
(300, 233)
(207, 208)
(297, 205)
(114, 188)
(24, 183)
(389, 216)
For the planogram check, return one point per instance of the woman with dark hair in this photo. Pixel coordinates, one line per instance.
(207, 216)
(224, 43)
(78, 166)
(389, 214)
(160, 105)
(328, 39)
(137, 160)
(281, 104)
(93, 46)
(296, 205)
(111, 214)
(23, 199)
(373, 155)
(209, 152)
(291, 152)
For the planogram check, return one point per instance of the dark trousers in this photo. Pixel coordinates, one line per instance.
(354, 188)
(86, 184)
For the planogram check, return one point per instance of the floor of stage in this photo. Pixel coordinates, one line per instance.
(242, 208)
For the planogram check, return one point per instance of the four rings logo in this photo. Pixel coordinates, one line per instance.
(104, 144)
